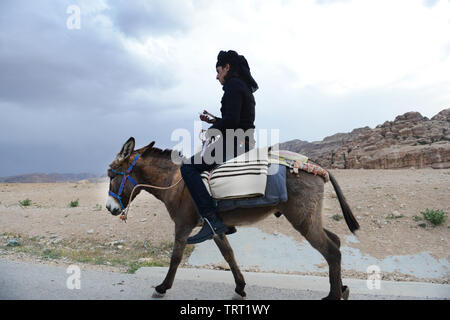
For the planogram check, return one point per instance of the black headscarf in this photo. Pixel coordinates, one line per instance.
(238, 65)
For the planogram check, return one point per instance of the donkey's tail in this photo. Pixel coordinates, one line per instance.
(352, 224)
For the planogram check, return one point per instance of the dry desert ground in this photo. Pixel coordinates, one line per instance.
(387, 204)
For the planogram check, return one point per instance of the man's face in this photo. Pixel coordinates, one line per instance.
(222, 72)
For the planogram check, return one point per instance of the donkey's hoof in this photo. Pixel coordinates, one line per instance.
(345, 292)
(237, 296)
(156, 294)
(330, 297)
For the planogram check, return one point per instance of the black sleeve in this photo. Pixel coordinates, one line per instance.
(231, 107)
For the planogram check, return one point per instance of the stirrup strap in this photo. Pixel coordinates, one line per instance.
(214, 232)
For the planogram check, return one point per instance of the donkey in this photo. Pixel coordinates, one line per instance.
(151, 165)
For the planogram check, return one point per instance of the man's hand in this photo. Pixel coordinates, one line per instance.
(207, 117)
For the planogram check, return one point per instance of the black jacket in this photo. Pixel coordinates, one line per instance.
(238, 107)
(238, 112)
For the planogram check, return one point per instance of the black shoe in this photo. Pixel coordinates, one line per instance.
(211, 225)
(231, 230)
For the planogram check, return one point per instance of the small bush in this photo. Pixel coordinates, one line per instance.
(436, 217)
(336, 217)
(51, 254)
(13, 243)
(100, 260)
(73, 204)
(135, 265)
(25, 202)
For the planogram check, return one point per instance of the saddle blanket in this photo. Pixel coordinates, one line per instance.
(242, 177)
(246, 176)
(274, 193)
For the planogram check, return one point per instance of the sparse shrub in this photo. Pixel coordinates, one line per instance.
(25, 203)
(100, 260)
(74, 204)
(336, 217)
(51, 254)
(135, 265)
(13, 243)
(417, 218)
(436, 217)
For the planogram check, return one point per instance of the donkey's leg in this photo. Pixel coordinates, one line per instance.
(311, 229)
(304, 212)
(330, 251)
(227, 252)
(345, 290)
(181, 235)
(333, 237)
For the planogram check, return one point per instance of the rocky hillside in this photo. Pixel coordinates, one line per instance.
(411, 140)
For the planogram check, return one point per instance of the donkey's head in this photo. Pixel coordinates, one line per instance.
(123, 176)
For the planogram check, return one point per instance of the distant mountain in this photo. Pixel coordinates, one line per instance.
(52, 177)
(411, 140)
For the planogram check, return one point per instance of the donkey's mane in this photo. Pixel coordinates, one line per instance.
(164, 154)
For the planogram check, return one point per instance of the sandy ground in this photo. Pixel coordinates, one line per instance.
(376, 196)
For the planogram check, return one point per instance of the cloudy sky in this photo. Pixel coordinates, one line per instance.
(70, 97)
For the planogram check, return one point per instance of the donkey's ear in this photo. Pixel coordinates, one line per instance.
(148, 148)
(127, 149)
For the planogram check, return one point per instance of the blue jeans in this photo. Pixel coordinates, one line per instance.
(191, 175)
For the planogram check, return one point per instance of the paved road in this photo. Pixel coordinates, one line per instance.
(19, 280)
(254, 248)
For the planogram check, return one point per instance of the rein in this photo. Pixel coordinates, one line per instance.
(123, 215)
(127, 177)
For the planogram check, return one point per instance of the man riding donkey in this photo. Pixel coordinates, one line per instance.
(156, 168)
(238, 115)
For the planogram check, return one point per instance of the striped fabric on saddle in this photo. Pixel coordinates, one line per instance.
(246, 175)
(242, 177)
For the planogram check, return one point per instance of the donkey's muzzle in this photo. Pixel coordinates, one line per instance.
(113, 207)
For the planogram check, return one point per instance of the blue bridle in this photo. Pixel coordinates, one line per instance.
(126, 176)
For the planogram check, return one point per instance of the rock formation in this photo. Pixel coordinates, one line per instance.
(411, 140)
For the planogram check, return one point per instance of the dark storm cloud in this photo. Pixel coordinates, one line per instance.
(46, 65)
(70, 141)
(67, 97)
